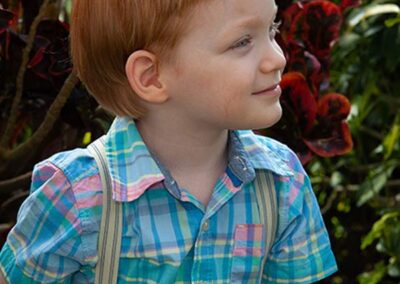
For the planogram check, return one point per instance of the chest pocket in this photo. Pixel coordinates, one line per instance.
(247, 252)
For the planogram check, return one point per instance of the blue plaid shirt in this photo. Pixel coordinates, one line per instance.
(168, 236)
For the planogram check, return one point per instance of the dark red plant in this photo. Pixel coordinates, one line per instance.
(314, 120)
(48, 66)
(51, 62)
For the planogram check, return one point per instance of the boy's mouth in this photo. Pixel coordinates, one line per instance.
(273, 90)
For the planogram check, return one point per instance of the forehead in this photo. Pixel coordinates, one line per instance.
(220, 16)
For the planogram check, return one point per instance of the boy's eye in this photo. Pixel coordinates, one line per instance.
(243, 43)
(274, 29)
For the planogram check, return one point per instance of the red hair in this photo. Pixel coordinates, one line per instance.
(105, 32)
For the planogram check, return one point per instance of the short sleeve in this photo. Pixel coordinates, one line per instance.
(302, 251)
(45, 246)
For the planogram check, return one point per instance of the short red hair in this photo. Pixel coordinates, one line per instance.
(105, 32)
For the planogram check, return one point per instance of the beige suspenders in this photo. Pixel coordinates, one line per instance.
(109, 243)
(267, 204)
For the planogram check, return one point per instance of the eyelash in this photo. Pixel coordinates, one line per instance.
(273, 31)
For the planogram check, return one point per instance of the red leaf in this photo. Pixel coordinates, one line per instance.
(305, 157)
(7, 19)
(300, 60)
(287, 16)
(321, 27)
(339, 143)
(298, 97)
(349, 4)
(333, 107)
(37, 58)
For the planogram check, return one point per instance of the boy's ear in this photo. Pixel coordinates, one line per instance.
(142, 72)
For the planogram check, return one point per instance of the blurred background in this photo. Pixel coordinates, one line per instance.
(341, 101)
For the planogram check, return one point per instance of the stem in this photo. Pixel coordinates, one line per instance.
(371, 132)
(21, 74)
(329, 202)
(363, 168)
(9, 185)
(25, 150)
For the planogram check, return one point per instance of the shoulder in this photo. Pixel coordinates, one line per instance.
(52, 236)
(74, 172)
(75, 165)
(70, 177)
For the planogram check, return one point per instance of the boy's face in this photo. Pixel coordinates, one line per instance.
(228, 55)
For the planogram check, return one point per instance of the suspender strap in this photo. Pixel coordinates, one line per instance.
(267, 203)
(109, 242)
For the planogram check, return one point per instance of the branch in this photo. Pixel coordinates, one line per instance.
(21, 74)
(371, 132)
(7, 186)
(363, 168)
(329, 202)
(23, 150)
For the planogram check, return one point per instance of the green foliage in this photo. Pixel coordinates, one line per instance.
(374, 182)
(379, 227)
(360, 192)
(375, 276)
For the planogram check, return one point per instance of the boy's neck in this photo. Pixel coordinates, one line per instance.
(184, 149)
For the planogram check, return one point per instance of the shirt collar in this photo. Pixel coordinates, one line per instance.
(133, 169)
(262, 153)
(131, 165)
(247, 153)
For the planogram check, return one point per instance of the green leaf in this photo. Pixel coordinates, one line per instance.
(394, 269)
(373, 10)
(374, 183)
(393, 21)
(68, 6)
(87, 138)
(391, 238)
(374, 276)
(377, 229)
(391, 140)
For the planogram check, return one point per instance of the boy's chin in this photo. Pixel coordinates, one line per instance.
(262, 122)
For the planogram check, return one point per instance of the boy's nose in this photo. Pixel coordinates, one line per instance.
(273, 58)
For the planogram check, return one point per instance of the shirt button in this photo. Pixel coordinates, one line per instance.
(205, 226)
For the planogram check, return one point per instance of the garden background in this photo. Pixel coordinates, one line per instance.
(341, 100)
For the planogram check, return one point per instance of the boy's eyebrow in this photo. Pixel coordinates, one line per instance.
(251, 22)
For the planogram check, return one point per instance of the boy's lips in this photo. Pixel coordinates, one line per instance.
(271, 91)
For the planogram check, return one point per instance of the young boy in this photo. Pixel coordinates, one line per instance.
(185, 79)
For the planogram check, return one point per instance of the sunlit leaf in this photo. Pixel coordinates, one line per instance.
(375, 276)
(373, 10)
(374, 182)
(391, 141)
(377, 229)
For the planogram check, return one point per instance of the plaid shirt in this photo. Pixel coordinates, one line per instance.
(168, 236)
